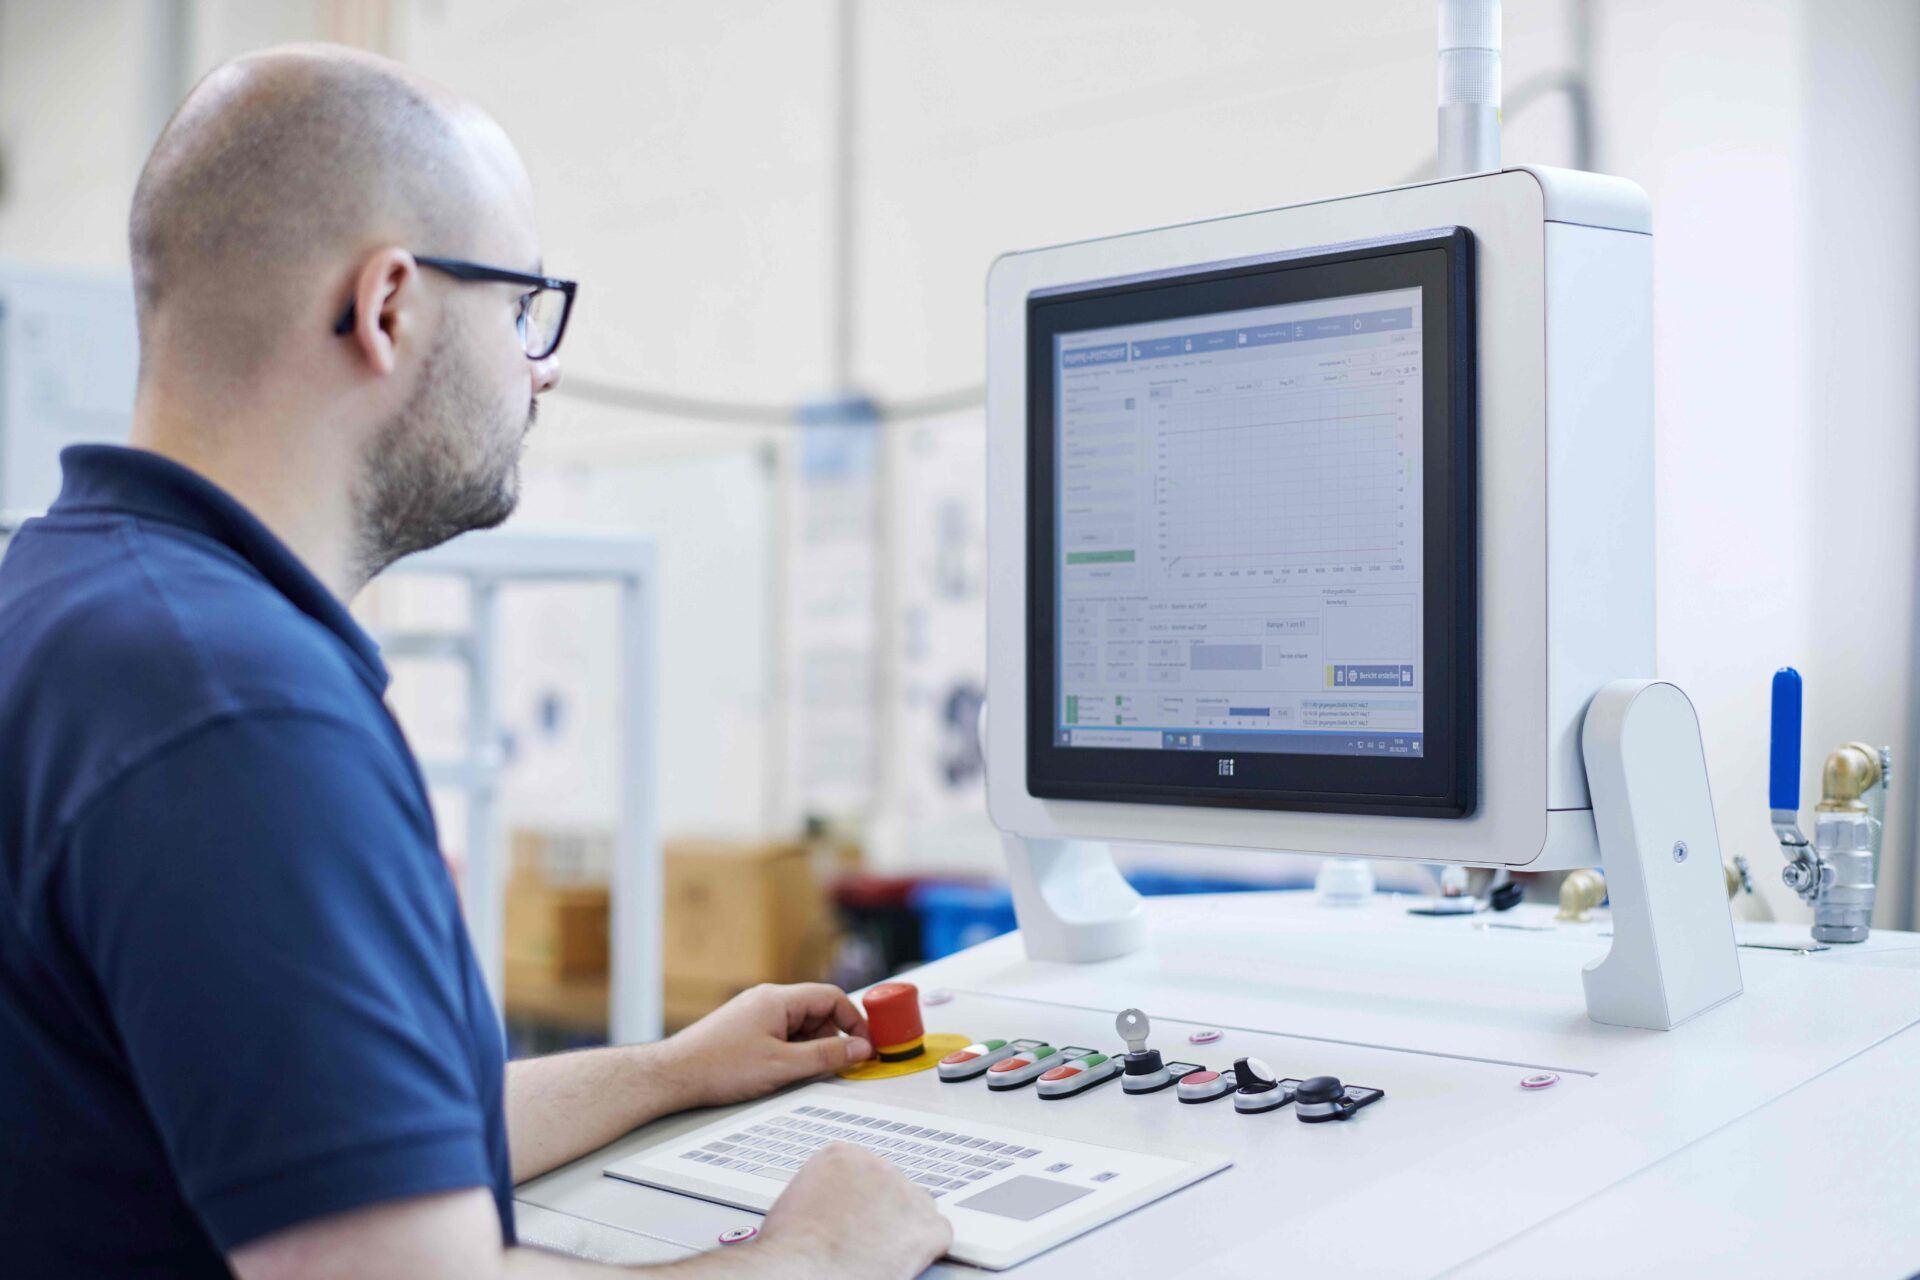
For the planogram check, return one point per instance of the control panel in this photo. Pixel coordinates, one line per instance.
(959, 1122)
(1071, 1070)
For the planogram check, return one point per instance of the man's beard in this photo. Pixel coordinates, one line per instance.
(442, 466)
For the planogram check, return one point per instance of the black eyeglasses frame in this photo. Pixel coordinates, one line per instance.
(480, 272)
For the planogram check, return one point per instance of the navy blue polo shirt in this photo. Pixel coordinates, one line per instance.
(236, 993)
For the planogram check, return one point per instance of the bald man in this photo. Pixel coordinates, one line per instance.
(241, 1028)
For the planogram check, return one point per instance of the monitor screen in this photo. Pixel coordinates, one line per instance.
(1252, 485)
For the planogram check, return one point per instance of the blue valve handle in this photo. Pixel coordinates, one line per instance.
(1783, 775)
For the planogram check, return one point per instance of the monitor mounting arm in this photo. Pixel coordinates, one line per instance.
(1672, 954)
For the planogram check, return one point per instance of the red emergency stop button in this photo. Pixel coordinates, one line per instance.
(893, 1019)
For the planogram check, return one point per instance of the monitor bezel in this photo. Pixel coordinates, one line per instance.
(1443, 781)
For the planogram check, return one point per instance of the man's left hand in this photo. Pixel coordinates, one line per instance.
(766, 1038)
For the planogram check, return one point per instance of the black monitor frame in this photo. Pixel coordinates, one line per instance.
(1441, 782)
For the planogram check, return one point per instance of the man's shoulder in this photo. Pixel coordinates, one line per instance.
(122, 633)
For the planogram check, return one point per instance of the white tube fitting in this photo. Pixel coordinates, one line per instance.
(1469, 86)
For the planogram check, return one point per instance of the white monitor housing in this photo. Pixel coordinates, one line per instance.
(1561, 275)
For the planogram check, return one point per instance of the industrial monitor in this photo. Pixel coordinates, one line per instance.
(1250, 534)
(1317, 528)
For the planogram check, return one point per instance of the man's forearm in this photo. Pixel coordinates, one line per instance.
(563, 1106)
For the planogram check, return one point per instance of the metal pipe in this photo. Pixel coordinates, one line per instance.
(846, 106)
(1469, 86)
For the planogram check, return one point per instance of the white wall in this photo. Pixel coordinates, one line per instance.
(1776, 141)
(681, 156)
(79, 86)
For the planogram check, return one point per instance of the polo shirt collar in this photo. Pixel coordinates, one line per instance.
(135, 482)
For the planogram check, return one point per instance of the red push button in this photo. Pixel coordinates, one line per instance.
(955, 1059)
(1012, 1064)
(1061, 1073)
(1200, 1077)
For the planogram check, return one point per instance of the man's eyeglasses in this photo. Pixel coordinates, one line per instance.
(543, 310)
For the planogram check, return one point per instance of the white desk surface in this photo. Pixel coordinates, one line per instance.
(1770, 1137)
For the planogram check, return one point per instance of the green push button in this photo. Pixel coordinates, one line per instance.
(1093, 1060)
(994, 1044)
(1044, 1051)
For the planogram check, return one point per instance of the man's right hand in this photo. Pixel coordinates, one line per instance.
(853, 1212)
(848, 1215)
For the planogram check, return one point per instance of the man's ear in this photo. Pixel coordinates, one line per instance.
(386, 301)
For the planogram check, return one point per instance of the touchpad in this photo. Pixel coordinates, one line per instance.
(1025, 1198)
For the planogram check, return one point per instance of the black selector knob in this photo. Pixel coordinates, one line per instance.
(1318, 1099)
(1143, 1063)
(1320, 1089)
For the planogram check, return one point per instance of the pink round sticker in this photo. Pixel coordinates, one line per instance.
(1204, 1037)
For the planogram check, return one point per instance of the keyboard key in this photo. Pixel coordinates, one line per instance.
(1001, 1164)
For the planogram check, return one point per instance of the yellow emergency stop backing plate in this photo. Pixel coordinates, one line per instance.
(937, 1045)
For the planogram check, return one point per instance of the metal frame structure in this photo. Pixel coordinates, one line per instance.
(488, 561)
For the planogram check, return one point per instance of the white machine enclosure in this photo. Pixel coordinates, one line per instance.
(1564, 299)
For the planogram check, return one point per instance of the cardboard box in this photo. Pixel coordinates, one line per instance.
(739, 913)
(554, 925)
(535, 995)
(559, 928)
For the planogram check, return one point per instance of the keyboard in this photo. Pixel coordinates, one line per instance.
(1009, 1193)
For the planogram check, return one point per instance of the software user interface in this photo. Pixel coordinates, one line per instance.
(1239, 530)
